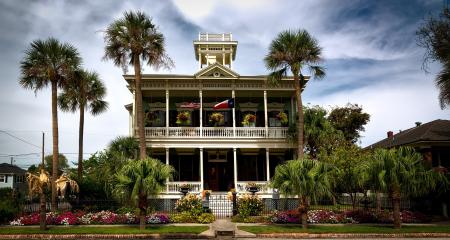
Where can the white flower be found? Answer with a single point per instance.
(16, 222)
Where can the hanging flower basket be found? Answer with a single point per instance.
(184, 118)
(252, 187)
(249, 120)
(217, 119)
(283, 118)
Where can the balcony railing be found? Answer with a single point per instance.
(216, 132)
(174, 187)
(214, 37)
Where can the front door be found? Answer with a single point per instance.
(218, 177)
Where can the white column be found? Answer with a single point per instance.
(231, 60)
(223, 59)
(201, 169)
(267, 164)
(266, 119)
(233, 95)
(200, 93)
(167, 112)
(167, 163)
(199, 59)
(235, 168)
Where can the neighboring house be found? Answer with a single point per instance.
(220, 149)
(12, 176)
(432, 139)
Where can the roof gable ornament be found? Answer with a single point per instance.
(216, 70)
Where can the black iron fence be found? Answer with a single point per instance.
(222, 205)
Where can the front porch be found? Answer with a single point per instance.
(221, 169)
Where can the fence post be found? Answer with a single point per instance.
(234, 204)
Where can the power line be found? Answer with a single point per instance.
(20, 139)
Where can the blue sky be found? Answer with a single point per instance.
(369, 46)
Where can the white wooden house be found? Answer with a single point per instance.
(220, 155)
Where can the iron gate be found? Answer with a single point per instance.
(221, 206)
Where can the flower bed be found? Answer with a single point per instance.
(82, 218)
(354, 216)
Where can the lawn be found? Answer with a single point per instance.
(344, 229)
(104, 230)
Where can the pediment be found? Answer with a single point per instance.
(216, 70)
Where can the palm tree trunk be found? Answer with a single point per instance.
(303, 209)
(396, 207)
(298, 97)
(42, 216)
(378, 197)
(80, 142)
(142, 211)
(55, 143)
(139, 110)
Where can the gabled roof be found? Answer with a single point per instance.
(216, 70)
(434, 131)
(8, 168)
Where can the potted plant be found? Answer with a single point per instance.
(249, 120)
(282, 117)
(217, 119)
(252, 187)
(183, 118)
(185, 188)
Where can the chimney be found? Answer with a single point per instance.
(390, 134)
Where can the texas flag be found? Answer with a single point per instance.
(225, 104)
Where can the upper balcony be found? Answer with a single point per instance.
(214, 37)
(217, 132)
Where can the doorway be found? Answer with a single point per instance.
(219, 171)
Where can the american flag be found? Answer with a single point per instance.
(190, 105)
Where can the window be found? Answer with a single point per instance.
(2, 178)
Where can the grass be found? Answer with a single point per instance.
(344, 229)
(104, 230)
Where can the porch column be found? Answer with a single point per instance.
(234, 113)
(223, 59)
(235, 168)
(201, 169)
(266, 124)
(267, 164)
(167, 112)
(200, 93)
(167, 163)
(199, 59)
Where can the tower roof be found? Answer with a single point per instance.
(214, 44)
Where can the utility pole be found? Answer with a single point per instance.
(12, 160)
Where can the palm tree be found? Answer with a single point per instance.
(137, 180)
(307, 178)
(128, 41)
(295, 50)
(49, 62)
(85, 91)
(126, 146)
(37, 185)
(401, 172)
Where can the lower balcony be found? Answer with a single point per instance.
(216, 132)
(196, 187)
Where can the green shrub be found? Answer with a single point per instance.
(126, 209)
(248, 219)
(250, 205)
(206, 218)
(191, 204)
(9, 205)
(183, 217)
